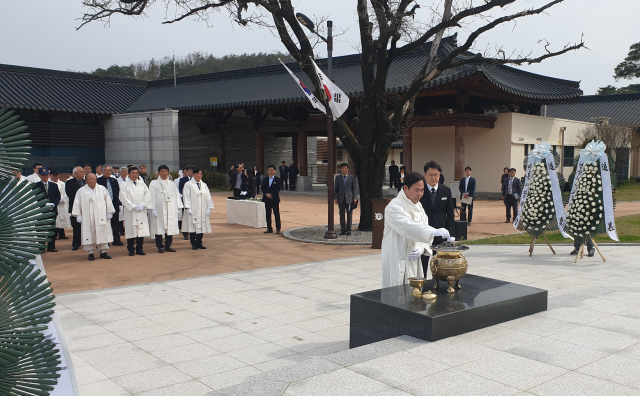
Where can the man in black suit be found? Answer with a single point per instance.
(284, 175)
(52, 196)
(271, 186)
(437, 204)
(344, 194)
(113, 188)
(393, 173)
(511, 190)
(293, 175)
(467, 189)
(71, 187)
(239, 181)
(187, 174)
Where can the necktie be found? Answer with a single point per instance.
(135, 184)
(109, 189)
(433, 190)
(510, 182)
(46, 188)
(198, 186)
(345, 181)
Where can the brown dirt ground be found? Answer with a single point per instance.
(233, 248)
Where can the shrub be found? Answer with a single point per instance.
(215, 181)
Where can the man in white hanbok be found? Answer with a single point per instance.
(197, 207)
(163, 221)
(63, 220)
(135, 197)
(93, 209)
(407, 234)
(121, 177)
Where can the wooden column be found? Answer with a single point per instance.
(459, 154)
(407, 148)
(259, 149)
(222, 147)
(302, 151)
(352, 165)
(634, 158)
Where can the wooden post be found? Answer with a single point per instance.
(407, 148)
(459, 152)
(302, 151)
(259, 149)
(545, 238)
(533, 244)
(597, 248)
(222, 164)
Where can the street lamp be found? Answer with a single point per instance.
(331, 139)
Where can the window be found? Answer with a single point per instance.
(569, 153)
(526, 150)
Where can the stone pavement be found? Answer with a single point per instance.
(284, 331)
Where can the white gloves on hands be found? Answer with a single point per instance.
(208, 212)
(138, 208)
(79, 219)
(441, 232)
(416, 253)
(154, 213)
(48, 204)
(121, 209)
(189, 211)
(110, 216)
(451, 239)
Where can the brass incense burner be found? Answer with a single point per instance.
(417, 284)
(448, 265)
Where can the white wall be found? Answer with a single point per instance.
(127, 139)
(434, 144)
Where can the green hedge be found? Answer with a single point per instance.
(215, 181)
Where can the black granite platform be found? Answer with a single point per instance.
(386, 313)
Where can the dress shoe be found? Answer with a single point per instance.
(591, 253)
(75, 248)
(268, 232)
(277, 231)
(186, 237)
(160, 250)
(118, 243)
(194, 248)
(348, 233)
(343, 233)
(141, 253)
(170, 249)
(507, 221)
(574, 252)
(91, 258)
(105, 256)
(52, 250)
(201, 247)
(468, 224)
(131, 253)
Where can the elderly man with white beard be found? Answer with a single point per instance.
(168, 203)
(198, 205)
(93, 209)
(135, 197)
(407, 234)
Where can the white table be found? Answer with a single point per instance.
(249, 213)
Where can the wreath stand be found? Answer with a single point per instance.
(581, 251)
(533, 244)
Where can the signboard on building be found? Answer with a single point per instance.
(213, 161)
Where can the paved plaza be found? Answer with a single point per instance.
(284, 331)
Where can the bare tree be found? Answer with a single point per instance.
(617, 139)
(388, 29)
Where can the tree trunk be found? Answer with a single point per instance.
(370, 182)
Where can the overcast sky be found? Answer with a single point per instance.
(41, 33)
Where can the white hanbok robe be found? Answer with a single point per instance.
(34, 178)
(177, 183)
(63, 220)
(94, 208)
(168, 204)
(120, 183)
(406, 227)
(199, 201)
(136, 223)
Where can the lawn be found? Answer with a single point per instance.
(628, 231)
(628, 192)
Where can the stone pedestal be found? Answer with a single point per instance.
(386, 313)
(304, 183)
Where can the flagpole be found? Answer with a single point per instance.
(331, 144)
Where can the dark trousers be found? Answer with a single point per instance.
(292, 184)
(345, 225)
(463, 212)
(121, 227)
(60, 233)
(52, 242)
(285, 182)
(511, 202)
(77, 233)
(589, 244)
(236, 192)
(258, 186)
(168, 241)
(139, 241)
(392, 180)
(275, 207)
(115, 227)
(196, 239)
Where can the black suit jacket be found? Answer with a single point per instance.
(393, 171)
(115, 188)
(516, 187)
(181, 183)
(471, 189)
(274, 190)
(53, 196)
(293, 172)
(71, 187)
(442, 215)
(284, 171)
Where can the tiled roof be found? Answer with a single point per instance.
(623, 109)
(41, 89)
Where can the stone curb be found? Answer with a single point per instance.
(287, 234)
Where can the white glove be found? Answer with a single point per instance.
(417, 252)
(154, 213)
(451, 239)
(138, 208)
(121, 208)
(189, 211)
(208, 212)
(48, 204)
(79, 219)
(441, 232)
(110, 216)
